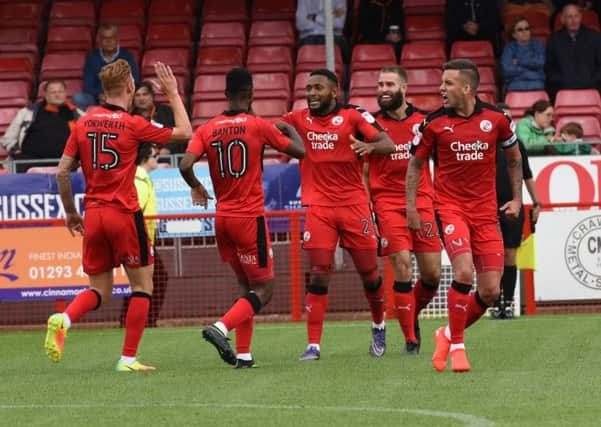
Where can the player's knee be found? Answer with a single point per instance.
(318, 284)
(464, 274)
(255, 301)
(489, 295)
(431, 276)
(263, 290)
(372, 283)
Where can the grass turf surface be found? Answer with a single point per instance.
(537, 371)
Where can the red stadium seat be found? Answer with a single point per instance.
(424, 7)
(310, 57)
(369, 103)
(19, 40)
(73, 13)
(69, 39)
(372, 56)
(364, 83)
(299, 104)
(424, 80)
(182, 88)
(21, 14)
(19, 68)
(427, 103)
(177, 58)
(168, 35)
(224, 11)
(300, 82)
(271, 85)
(202, 112)
(232, 34)
(270, 59)
(423, 54)
(270, 108)
(7, 115)
(173, 11)
(590, 126)
(73, 86)
(15, 93)
(62, 65)
(425, 27)
(123, 12)
(519, 102)
(582, 102)
(589, 19)
(3, 156)
(212, 60)
(480, 52)
(265, 10)
(209, 87)
(272, 33)
(487, 97)
(488, 82)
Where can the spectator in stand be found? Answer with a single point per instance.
(381, 21)
(310, 23)
(472, 20)
(570, 136)
(523, 59)
(159, 114)
(535, 129)
(573, 55)
(108, 52)
(41, 130)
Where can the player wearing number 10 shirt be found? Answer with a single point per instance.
(106, 144)
(233, 143)
(336, 201)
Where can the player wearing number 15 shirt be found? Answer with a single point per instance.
(336, 200)
(233, 143)
(106, 143)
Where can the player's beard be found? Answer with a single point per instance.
(395, 102)
(323, 108)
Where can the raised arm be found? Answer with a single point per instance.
(296, 148)
(167, 84)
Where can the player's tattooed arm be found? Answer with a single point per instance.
(514, 169)
(200, 195)
(73, 220)
(414, 168)
(380, 144)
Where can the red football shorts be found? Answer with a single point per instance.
(483, 239)
(353, 224)
(395, 235)
(244, 243)
(113, 237)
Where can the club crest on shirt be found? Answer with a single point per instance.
(449, 229)
(306, 236)
(486, 125)
(337, 120)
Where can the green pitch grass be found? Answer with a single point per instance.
(537, 371)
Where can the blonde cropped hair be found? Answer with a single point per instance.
(115, 76)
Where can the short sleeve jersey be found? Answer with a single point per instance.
(464, 151)
(234, 142)
(106, 142)
(331, 172)
(387, 173)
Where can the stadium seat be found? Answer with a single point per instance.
(372, 56)
(369, 103)
(423, 54)
(7, 114)
(173, 12)
(16, 69)
(300, 82)
(480, 52)
(271, 85)
(69, 39)
(209, 87)
(123, 12)
(427, 103)
(589, 19)
(519, 102)
(232, 34)
(224, 11)
(2, 170)
(18, 40)
(488, 82)
(487, 97)
(590, 126)
(204, 111)
(310, 57)
(265, 10)
(424, 81)
(425, 27)
(299, 104)
(424, 7)
(73, 13)
(50, 170)
(15, 93)
(73, 86)
(182, 87)
(272, 33)
(364, 83)
(177, 58)
(270, 108)
(168, 35)
(21, 14)
(212, 60)
(62, 65)
(581, 102)
(270, 59)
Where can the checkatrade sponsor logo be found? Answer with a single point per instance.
(469, 151)
(401, 151)
(322, 141)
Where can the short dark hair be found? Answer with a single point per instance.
(400, 71)
(238, 80)
(108, 26)
(572, 128)
(147, 85)
(467, 69)
(331, 76)
(144, 152)
(538, 107)
(53, 82)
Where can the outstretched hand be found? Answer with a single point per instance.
(167, 82)
(360, 147)
(511, 209)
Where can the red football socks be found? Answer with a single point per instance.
(475, 309)
(244, 335)
(316, 306)
(404, 304)
(423, 295)
(375, 300)
(240, 312)
(134, 322)
(84, 302)
(458, 303)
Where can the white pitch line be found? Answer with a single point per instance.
(468, 419)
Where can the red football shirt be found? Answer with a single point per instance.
(387, 173)
(234, 143)
(331, 173)
(106, 142)
(464, 152)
